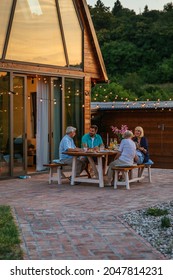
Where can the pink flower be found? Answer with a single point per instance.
(119, 132)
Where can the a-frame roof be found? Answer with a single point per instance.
(95, 40)
(25, 29)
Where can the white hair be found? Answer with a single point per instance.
(128, 134)
(70, 129)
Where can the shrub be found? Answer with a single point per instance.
(165, 222)
(156, 212)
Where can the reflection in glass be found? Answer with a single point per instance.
(73, 37)
(73, 106)
(35, 35)
(5, 9)
(4, 124)
(35, 7)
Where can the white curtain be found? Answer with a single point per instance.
(42, 125)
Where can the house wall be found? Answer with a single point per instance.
(157, 125)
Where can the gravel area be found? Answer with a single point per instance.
(152, 229)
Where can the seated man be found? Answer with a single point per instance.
(92, 139)
(67, 144)
(126, 155)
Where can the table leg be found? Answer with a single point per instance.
(105, 165)
(91, 161)
(73, 175)
(100, 172)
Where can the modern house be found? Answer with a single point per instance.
(156, 118)
(49, 60)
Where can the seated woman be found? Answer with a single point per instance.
(126, 155)
(141, 145)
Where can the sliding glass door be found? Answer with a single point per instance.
(66, 110)
(18, 125)
(73, 111)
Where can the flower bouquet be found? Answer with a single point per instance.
(119, 132)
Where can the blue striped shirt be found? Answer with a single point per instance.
(66, 143)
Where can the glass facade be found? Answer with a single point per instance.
(63, 98)
(41, 31)
(44, 33)
(73, 39)
(73, 106)
(35, 34)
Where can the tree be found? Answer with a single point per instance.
(117, 8)
(110, 93)
(101, 16)
(168, 7)
(146, 10)
(137, 49)
(120, 57)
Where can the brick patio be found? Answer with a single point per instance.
(83, 221)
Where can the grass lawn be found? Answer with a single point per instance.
(9, 236)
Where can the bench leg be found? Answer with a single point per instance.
(149, 173)
(140, 171)
(59, 175)
(126, 177)
(115, 179)
(126, 174)
(50, 175)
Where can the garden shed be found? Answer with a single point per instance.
(156, 118)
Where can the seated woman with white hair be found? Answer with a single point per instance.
(126, 154)
(67, 144)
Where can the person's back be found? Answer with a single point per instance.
(125, 156)
(128, 151)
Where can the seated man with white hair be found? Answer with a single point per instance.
(67, 144)
(126, 154)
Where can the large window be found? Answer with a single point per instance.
(73, 38)
(74, 105)
(44, 32)
(35, 34)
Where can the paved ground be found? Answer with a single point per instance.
(82, 221)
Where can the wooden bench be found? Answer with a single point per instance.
(128, 174)
(58, 167)
(148, 166)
